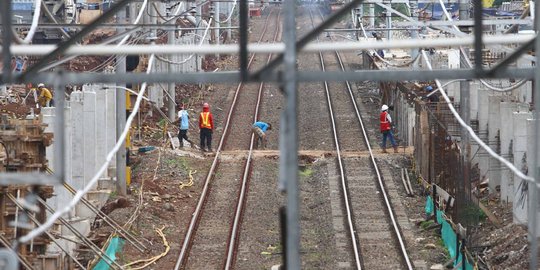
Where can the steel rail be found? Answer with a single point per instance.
(376, 167)
(233, 244)
(202, 199)
(346, 201)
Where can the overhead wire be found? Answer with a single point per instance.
(191, 56)
(230, 14)
(33, 27)
(469, 63)
(80, 193)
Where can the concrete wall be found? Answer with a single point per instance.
(90, 134)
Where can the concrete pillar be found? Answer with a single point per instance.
(101, 120)
(90, 142)
(524, 92)
(77, 142)
(531, 138)
(507, 110)
(474, 99)
(110, 122)
(453, 63)
(494, 126)
(520, 161)
(483, 116)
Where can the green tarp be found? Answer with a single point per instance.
(115, 246)
(448, 235)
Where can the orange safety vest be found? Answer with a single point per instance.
(385, 125)
(205, 116)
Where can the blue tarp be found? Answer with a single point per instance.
(115, 246)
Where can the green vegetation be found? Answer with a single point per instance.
(306, 171)
(426, 224)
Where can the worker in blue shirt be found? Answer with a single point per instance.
(183, 119)
(260, 128)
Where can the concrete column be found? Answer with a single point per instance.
(77, 143)
(371, 15)
(494, 126)
(507, 110)
(474, 99)
(90, 134)
(531, 140)
(520, 161)
(483, 115)
(110, 122)
(101, 119)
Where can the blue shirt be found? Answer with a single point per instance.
(262, 125)
(184, 119)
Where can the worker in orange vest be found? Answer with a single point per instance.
(206, 126)
(386, 129)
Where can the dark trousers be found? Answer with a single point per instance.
(206, 138)
(182, 135)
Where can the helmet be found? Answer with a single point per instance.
(429, 88)
(205, 105)
(384, 107)
(40, 85)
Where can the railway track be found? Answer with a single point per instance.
(374, 237)
(211, 241)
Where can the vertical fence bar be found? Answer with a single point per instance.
(533, 188)
(289, 136)
(243, 40)
(6, 43)
(478, 35)
(121, 118)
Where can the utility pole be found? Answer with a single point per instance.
(121, 187)
(389, 24)
(172, 91)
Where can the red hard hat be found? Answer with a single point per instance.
(205, 105)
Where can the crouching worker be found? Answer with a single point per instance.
(260, 128)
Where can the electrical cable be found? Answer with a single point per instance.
(228, 17)
(33, 27)
(80, 193)
(472, 133)
(469, 63)
(191, 56)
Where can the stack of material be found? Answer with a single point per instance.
(23, 145)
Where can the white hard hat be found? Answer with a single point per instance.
(384, 107)
(40, 85)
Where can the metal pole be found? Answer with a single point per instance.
(372, 15)
(121, 119)
(389, 24)
(243, 39)
(229, 23)
(466, 115)
(6, 43)
(172, 91)
(218, 18)
(478, 35)
(414, 33)
(533, 189)
(288, 173)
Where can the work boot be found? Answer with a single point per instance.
(395, 149)
(209, 149)
(384, 150)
